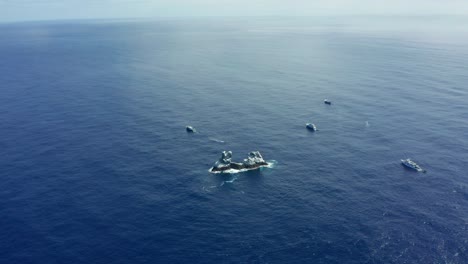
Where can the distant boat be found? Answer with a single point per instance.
(190, 129)
(327, 102)
(412, 165)
(311, 126)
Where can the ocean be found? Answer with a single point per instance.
(96, 165)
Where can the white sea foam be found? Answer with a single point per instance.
(271, 164)
(230, 181)
(216, 140)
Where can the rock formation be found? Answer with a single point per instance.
(190, 129)
(253, 161)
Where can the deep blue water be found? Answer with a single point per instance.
(96, 165)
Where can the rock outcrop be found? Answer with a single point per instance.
(190, 129)
(253, 161)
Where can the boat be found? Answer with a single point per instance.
(412, 165)
(190, 129)
(311, 126)
(327, 102)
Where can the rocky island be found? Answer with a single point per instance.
(224, 164)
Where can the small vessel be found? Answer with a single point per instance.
(412, 165)
(311, 126)
(190, 129)
(327, 102)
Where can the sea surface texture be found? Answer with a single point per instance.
(96, 165)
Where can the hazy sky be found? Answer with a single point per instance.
(19, 10)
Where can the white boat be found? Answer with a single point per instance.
(412, 165)
(311, 126)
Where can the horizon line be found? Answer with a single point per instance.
(136, 19)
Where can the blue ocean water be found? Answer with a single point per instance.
(96, 165)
